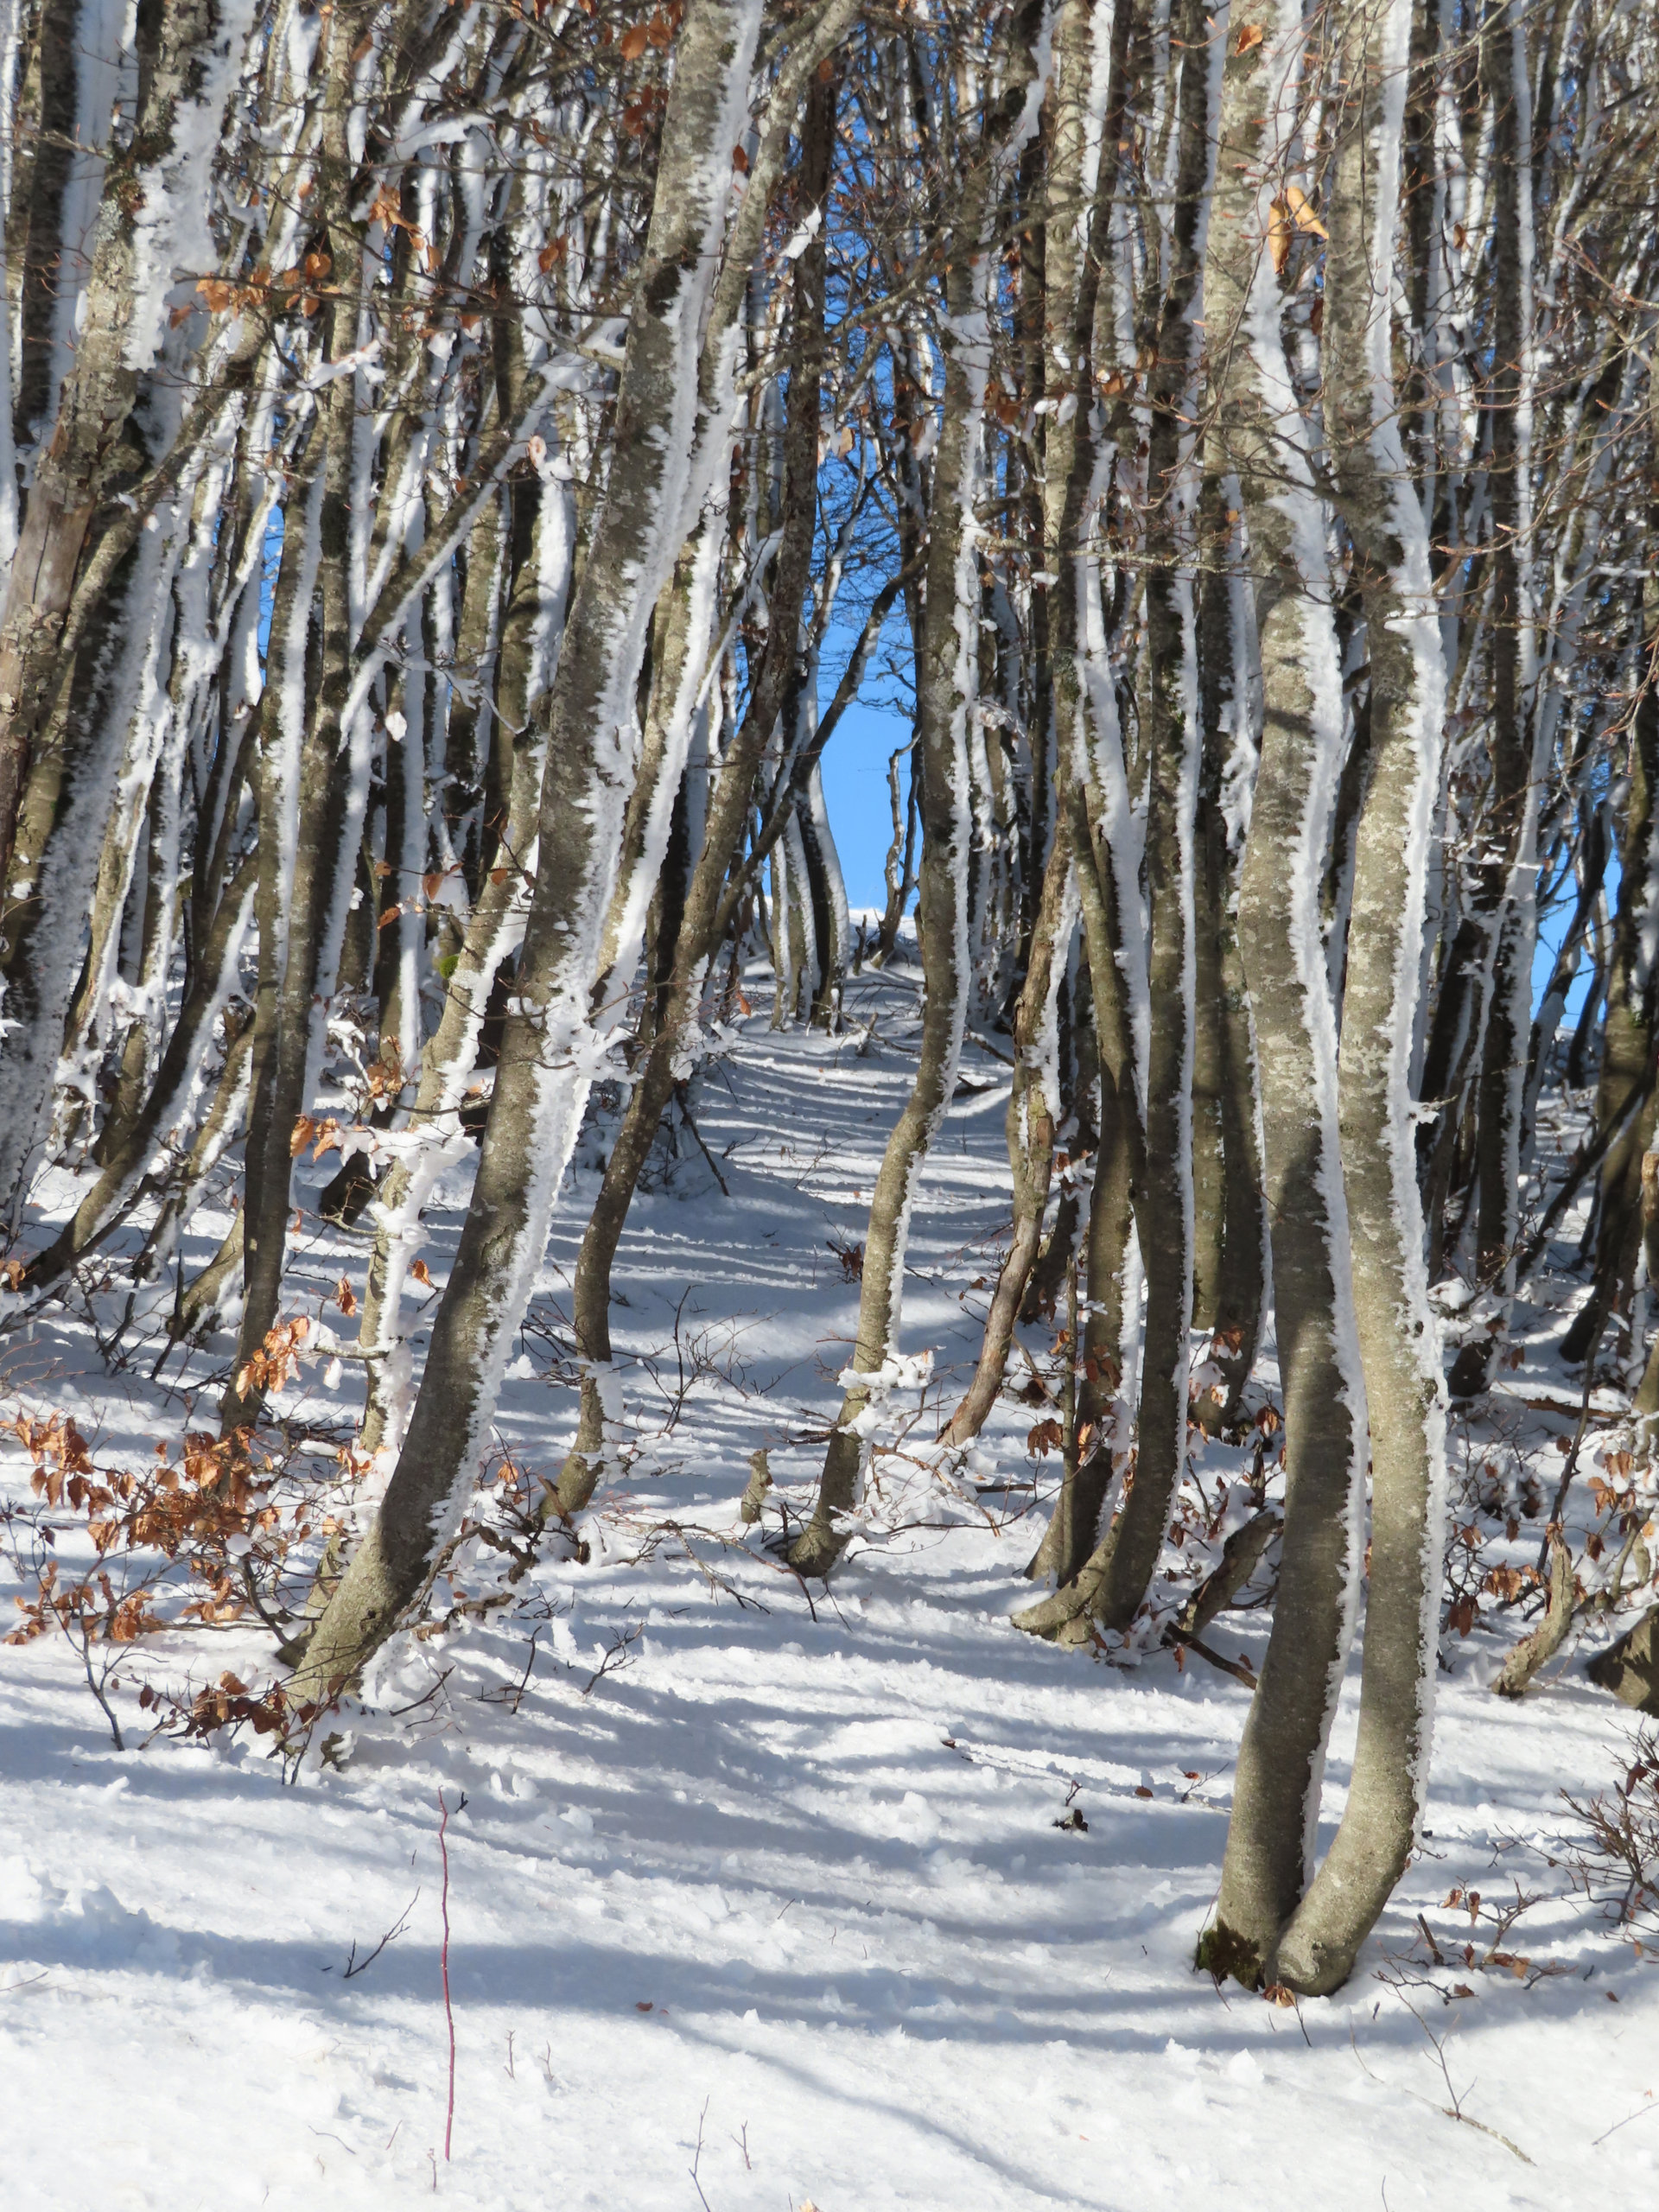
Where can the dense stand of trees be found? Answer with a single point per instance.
(458, 462)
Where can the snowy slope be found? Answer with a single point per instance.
(788, 1875)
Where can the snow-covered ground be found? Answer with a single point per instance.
(760, 1895)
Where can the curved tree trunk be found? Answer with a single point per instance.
(1170, 743)
(437, 1136)
(1032, 1107)
(126, 1169)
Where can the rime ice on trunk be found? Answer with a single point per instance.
(437, 1138)
(1261, 430)
(671, 1016)
(1511, 890)
(1171, 747)
(1398, 1338)
(75, 580)
(673, 411)
(947, 675)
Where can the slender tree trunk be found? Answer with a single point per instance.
(299, 888)
(673, 412)
(1171, 741)
(54, 756)
(126, 1168)
(1033, 1105)
(946, 675)
(1068, 1550)
(708, 906)
(1218, 667)
(1514, 798)
(1631, 1023)
(438, 1136)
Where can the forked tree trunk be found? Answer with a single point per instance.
(1276, 1791)
(1399, 1340)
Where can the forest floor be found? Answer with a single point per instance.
(762, 1895)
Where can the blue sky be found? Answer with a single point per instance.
(854, 774)
(854, 777)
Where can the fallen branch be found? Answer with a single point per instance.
(1537, 1650)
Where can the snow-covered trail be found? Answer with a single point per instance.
(789, 1872)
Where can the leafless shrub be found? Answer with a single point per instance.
(1617, 1862)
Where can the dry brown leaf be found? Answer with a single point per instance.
(1300, 208)
(1280, 233)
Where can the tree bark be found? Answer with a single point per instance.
(946, 674)
(76, 579)
(1171, 741)
(1398, 1337)
(1254, 408)
(707, 904)
(673, 411)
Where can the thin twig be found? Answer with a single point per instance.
(354, 1966)
(697, 2157)
(1640, 2113)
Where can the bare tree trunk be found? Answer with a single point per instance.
(1033, 1106)
(1514, 796)
(1632, 1018)
(673, 411)
(1398, 1338)
(54, 755)
(707, 904)
(1171, 741)
(1253, 407)
(1229, 1221)
(946, 674)
(438, 1136)
(298, 878)
(125, 1170)
(1220, 670)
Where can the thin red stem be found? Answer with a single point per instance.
(449, 2012)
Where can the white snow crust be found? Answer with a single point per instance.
(791, 1875)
